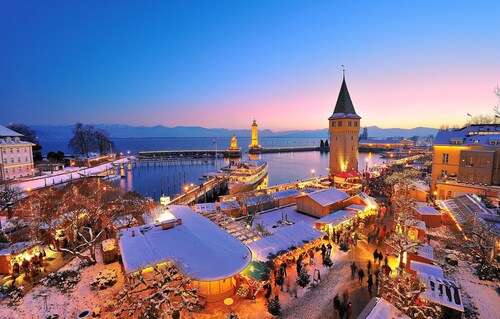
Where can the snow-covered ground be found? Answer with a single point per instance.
(33, 305)
(69, 173)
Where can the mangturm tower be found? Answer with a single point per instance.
(344, 126)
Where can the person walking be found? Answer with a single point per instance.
(353, 270)
(361, 275)
(369, 267)
(380, 258)
(370, 284)
(348, 311)
(375, 255)
(336, 305)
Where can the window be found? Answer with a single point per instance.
(352, 138)
(19, 160)
(340, 123)
(355, 123)
(18, 149)
(445, 158)
(334, 124)
(349, 123)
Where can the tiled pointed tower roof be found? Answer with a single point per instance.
(344, 106)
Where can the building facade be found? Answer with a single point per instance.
(16, 156)
(467, 160)
(344, 127)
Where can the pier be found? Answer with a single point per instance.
(201, 193)
(263, 150)
(185, 154)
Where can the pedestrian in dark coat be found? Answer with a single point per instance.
(380, 258)
(348, 311)
(336, 304)
(370, 284)
(369, 267)
(353, 270)
(375, 256)
(361, 275)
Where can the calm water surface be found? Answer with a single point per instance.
(170, 178)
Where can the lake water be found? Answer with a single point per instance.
(170, 178)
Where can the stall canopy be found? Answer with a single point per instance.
(379, 308)
(256, 270)
(337, 218)
(287, 193)
(283, 239)
(358, 208)
(441, 291)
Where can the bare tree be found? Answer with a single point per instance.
(161, 288)
(9, 194)
(402, 207)
(82, 142)
(403, 292)
(103, 142)
(496, 109)
(482, 119)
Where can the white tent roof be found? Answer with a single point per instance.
(284, 238)
(442, 291)
(329, 196)
(426, 268)
(338, 217)
(379, 308)
(201, 248)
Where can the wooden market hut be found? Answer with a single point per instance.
(16, 252)
(288, 196)
(322, 202)
(231, 208)
(429, 215)
(183, 235)
(335, 220)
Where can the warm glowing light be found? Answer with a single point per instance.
(166, 216)
(186, 188)
(28, 189)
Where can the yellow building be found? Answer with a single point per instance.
(344, 126)
(465, 161)
(16, 156)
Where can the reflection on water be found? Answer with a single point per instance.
(172, 178)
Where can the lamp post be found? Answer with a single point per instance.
(312, 172)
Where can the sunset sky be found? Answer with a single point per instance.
(219, 64)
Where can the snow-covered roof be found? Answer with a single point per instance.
(271, 219)
(421, 186)
(426, 210)
(284, 238)
(201, 248)
(465, 207)
(17, 248)
(470, 135)
(338, 217)
(442, 291)
(205, 208)
(355, 207)
(419, 224)
(426, 251)
(287, 193)
(379, 308)
(4, 132)
(260, 199)
(329, 196)
(228, 205)
(368, 200)
(426, 268)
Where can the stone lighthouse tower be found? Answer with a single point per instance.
(255, 137)
(344, 126)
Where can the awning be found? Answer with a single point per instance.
(256, 270)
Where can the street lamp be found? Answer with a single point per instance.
(312, 172)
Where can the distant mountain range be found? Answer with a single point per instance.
(63, 132)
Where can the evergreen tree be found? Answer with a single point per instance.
(304, 278)
(274, 307)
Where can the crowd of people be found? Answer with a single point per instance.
(30, 268)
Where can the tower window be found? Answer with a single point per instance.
(340, 123)
(349, 123)
(334, 124)
(355, 123)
